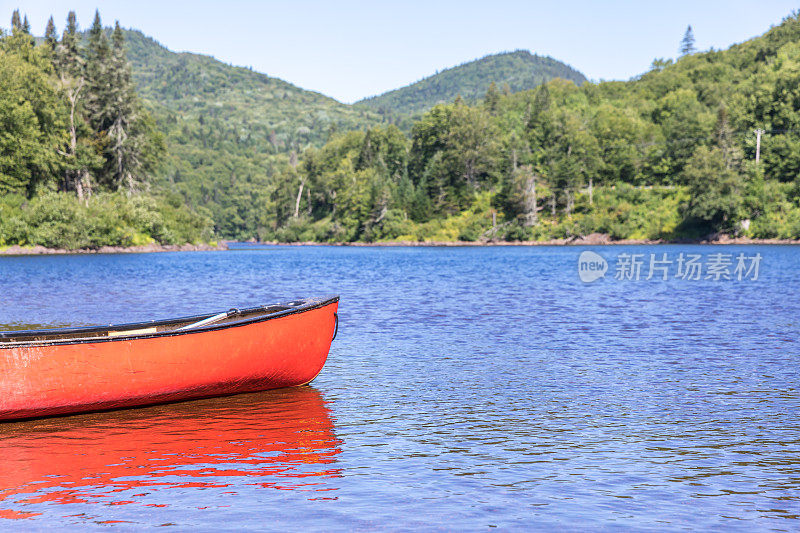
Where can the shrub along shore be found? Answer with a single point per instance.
(147, 248)
(589, 240)
(596, 239)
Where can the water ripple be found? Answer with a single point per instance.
(467, 388)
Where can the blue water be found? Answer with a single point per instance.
(468, 388)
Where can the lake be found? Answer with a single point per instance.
(468, 388)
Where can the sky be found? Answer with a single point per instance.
(351, 49)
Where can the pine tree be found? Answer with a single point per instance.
(50, 37)
(16, 21)
(491, 99)
(111, 105)
(69, 60)
(126, 145)
(98, 59)
(687, 43)
(20, 39)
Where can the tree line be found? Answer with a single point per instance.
(670, 154)
(73, 123)
(91, 113)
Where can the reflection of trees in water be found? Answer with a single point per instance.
(281, 439)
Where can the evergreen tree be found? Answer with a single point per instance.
(687, 43)
(68, 60)
(99, 101)
(16, 21)
(491, 99)
(455, 148)
(17, 41)
(113, 109)
(126, 145)
(573, 156)
(518, 197)
(50, 37)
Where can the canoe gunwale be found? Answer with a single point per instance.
(290, 308)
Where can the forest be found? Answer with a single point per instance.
(695, 148)
(96, 149)
(512, 71)
(78, 149)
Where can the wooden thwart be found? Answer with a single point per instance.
(143, 331)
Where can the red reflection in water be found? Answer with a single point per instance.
(281, 439)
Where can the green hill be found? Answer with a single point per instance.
(520, 70)
(671, 154)
(228, 128)
(261, 107)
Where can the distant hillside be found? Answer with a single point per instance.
(261, 107)
(227, 129)
(520, 69)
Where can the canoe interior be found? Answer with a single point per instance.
(173, 326)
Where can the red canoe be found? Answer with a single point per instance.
(52, 372)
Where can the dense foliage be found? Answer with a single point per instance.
(61, 220)
(670, 155)
(509, 71)
(202, 149)
(228, 128)
(77, 147)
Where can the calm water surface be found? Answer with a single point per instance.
(468, 388)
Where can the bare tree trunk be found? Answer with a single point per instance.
(83, 185)
(529, 203)
(123, 174)
(74, 177)
(299, 196)
(553, 204)
(86, 183)
(382, 214)
(79, 186)
(591, 190)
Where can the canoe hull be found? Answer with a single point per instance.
(283, 351)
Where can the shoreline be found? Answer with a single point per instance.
(143, 249)
(589, 240)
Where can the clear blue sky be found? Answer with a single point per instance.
(350, 49)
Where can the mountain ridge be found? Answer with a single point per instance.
(518, 69)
